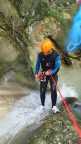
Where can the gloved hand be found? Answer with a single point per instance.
(48, 73)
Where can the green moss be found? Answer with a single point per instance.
(56, 129)
(4, 67)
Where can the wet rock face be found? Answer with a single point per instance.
(7, 51)
(56, 130)
(17, 18)
(77, 109)
(75, 106)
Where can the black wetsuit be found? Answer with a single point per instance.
(51, 61)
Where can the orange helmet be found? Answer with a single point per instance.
(46, 45)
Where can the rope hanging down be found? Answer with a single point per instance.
(69, 112)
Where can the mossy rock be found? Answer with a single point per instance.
(56, 129)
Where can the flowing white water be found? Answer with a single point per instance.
(27, 111)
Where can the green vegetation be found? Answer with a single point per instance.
(18, 19)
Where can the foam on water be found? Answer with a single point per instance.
(27, 111)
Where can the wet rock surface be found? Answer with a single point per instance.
(56, 129)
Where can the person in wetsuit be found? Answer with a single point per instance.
(47, 66)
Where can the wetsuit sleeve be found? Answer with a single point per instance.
(57, 65)
(37, 67)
